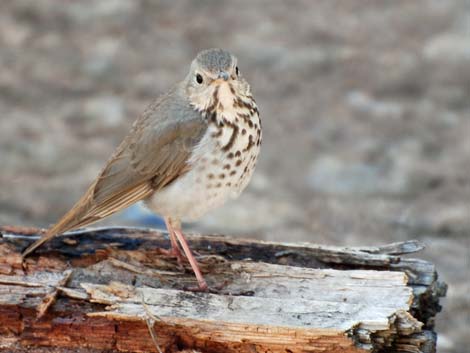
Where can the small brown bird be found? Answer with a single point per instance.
(190, 151)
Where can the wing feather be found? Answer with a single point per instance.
(154, 154)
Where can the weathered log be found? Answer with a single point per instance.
(113, 289)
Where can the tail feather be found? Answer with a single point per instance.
(86, 211)
(48, 236)
(68, 222)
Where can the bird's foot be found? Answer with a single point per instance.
(201, 285)
(204, 288)
(198, 289)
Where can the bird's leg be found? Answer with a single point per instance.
(192, 261)
(175, 249)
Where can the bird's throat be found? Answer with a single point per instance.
(225, 96)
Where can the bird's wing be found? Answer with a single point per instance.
(154, 154)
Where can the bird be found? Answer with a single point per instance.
(191, 150)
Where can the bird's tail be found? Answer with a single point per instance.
(71, 220)
(48, 236)
(88, 210)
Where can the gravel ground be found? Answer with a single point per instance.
(365, 108)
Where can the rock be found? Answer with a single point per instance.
(438, 219)
(329, 174)
(100, 60)
(106, 111)
(364, 103)
(448, 47)
(117, 10)
(311, 56)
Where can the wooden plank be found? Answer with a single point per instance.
(275, 297)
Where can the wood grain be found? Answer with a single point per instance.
(104, 289)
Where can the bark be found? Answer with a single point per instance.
(114, 290)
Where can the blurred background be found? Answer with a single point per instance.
(365, 108)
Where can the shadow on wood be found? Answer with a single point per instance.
(113, 289)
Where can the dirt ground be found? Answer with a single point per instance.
(365, 108)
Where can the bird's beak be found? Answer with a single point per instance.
(224, 75)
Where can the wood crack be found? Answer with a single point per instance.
(290, 297)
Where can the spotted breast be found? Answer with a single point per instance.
(222, 163)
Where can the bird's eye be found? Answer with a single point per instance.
(199, 78)
(237, 71)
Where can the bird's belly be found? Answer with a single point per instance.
(186, 199)
(216, 175)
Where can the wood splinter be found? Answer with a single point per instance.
(276, 297)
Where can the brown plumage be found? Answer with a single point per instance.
(147, 160)
(163, 157)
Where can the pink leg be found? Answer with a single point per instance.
(175, 249)
(192, 261)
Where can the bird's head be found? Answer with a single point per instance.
(215, 75)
